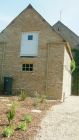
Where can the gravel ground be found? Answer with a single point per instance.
(61, 122)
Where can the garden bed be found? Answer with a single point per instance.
(37, 111)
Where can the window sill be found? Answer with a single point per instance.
(28, 56)
(27, 71)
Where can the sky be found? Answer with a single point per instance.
(52, 10)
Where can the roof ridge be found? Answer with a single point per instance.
(66, 28)
(31, 7)
(28, 7)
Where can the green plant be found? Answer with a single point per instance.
(11, 113)
(8, 132)
(36, 99)
(75, 73)
(42, 98)
(23, 95)
(27, 118)
(73, 65)
(39, 99)
(23, 126)
(36, 102)
(36, 94)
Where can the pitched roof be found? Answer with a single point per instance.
(67, 34)
(29, 7)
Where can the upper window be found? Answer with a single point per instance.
(30, 37)
(29, 44)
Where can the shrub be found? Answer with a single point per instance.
(73, 65)
(11, 113)
(23, 95)
(27, 118)
(8, 132)
(39, 99)
(23, 126)
(36, 102)
(36, 99)
(42, 98)
(36, 94)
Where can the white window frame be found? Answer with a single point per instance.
(27, 50)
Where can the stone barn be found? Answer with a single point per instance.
(35, 56)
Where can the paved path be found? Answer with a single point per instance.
(61, 122)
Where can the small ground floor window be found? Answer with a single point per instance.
(27, 67)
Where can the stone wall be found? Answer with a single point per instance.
(55, 69)
(66, 90)
(46, 77)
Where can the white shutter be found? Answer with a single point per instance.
(29, 47)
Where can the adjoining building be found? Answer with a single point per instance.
(73, 40)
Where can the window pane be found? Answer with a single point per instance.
(27, 65)
(31, 65)
(23, 69)
(27, 69)
(31, 68)
(23, 65)
(30, 37)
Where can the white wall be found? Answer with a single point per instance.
(66, 90)
(29, 47)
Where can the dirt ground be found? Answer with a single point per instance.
(23, 107)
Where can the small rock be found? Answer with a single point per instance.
(36, 111)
